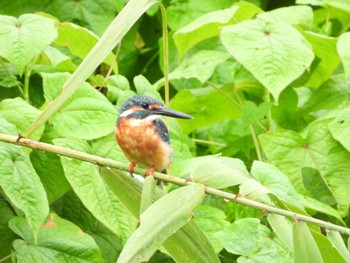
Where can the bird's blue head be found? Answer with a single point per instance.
(142, 106)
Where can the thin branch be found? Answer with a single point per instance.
(168, 178)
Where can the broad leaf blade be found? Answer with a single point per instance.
(337, 241)
(20, 182)
(217, 171)
(317, 149)
(189, 244)
(305, 247)
(160, 221)
(344, 52)
(94, 194)
(25, 38)
(58, 239)
(283, 228)
(200, 65)
(21, 114)
(87, 114)
(204, 27)
(275, 53)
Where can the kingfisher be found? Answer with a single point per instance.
(142, 135)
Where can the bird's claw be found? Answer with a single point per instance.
(149, 171)
(131, 169)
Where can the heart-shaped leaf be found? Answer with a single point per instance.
(274, 52)
(25, 37)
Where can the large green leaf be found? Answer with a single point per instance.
(97, 14)
(79, 40)
(271, 180)
(94, 194)
(69, 207)
(87, 114)
(338, 243)
(20, 182)
(189, 244)
(58, 241)
(326, 60)
(283, 229)
(206, 109)
(49, 168)
(248, 238)
(204, 27)
(7, 235)
(21, 114)
(314, 148)
(344, 52)
(305, 247)
(162, 219)
(214, 171)
(200, 65)
(183, 13)
(24, 38)
(213, 222)
(292, 15)
(274, 52)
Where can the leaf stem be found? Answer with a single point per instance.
(165, 53)
(168, 178)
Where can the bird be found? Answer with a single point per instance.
(143, 136)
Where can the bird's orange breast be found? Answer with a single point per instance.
(142, 144)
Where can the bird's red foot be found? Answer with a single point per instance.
(149, 171)
(131, 169)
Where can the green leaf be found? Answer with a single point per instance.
(326, 60)
(246, 237)
(292, 15)
(94, 194)
(316, 186)
(70, 207)
(277, 182)
(49, 168)
(189, 244)
(314, 148)
(274, 52)
(338, 243)
(7, 235)
(97, 14)
(25, 38)
(328, 252)
(344, 52)
(340, 126)
(183, 13)
(204, 27)
(217, 171)
(147, 193)
(213, 222)
(21, 114)
(87, 114)
(200, 65)
(206, 109)
(305, 247)
(79, 40)
(344, 5)
(162, 219)
(58, 239)
(315, 205)
(19, 181)
(252, 113)
(283, 229)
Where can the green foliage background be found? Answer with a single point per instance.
(267, 83)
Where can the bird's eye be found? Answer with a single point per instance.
(145, 105)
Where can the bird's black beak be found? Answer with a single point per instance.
(170, 112)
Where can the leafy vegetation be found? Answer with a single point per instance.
(267, 85)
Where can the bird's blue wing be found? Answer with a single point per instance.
(162, 130)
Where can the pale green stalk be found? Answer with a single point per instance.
(168, 178)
